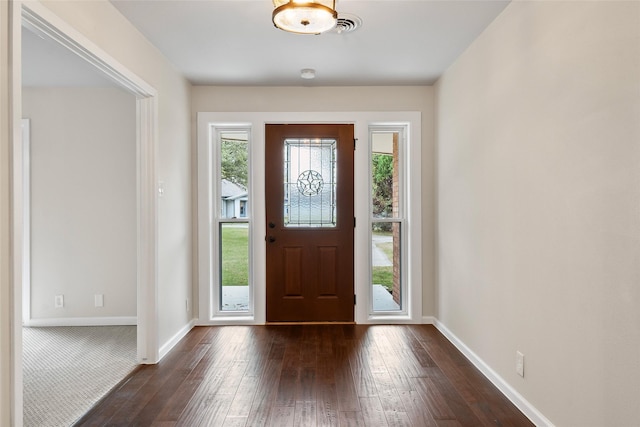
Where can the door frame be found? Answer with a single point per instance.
(48, 24)
(362, 121)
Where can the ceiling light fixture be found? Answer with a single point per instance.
(305, 16)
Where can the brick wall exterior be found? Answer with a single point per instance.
(396, 226)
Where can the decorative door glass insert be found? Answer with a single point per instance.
(309, 182)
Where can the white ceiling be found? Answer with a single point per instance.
(233, 42)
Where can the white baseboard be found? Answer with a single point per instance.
(166, 348)
(428, 320)
(83, 321)
(516, 398)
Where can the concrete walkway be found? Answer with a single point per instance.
(378, 257)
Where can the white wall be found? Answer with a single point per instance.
(538, 136)
(83, 201)
(309, 99)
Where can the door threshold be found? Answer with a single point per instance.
(309, 323)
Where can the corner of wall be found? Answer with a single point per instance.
(516, 398)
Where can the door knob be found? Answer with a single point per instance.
(272, 225)
(271, 239)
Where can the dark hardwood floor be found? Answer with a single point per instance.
(308, 375)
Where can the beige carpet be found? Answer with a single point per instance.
(68, 369)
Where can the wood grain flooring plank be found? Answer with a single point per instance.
(185, 391)
(163, 424)
(282, 416)
(351, 419)
(393, 363)
(148, 414)
(325, 369)
(241, 403)
(233, 377)
(264, 398)
(387, 393)
(372, 412)
(234, 421)
(345, 384)
(417, 411)
(210, 411)
(110, 404)
(397, 419)
(420, 353)
(448, 423)
(463, 413)
(289, 375)
(305, 413)
(362, 375)
(221, 377)
(277, 351)
(412, 365)
(328, 337)
(257, 350)
(327, 405)
(492, 404)
(306, 384)
(433, 399)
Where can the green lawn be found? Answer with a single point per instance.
(235, 256)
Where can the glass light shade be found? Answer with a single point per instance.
(305, 17)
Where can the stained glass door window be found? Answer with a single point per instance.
(310, 183)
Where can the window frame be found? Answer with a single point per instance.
(401, 218)
(216, 221)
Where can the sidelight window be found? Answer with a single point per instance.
(388, 289)
(232, 282)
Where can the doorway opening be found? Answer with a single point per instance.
(49, 27)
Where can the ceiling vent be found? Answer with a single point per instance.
(347, 23)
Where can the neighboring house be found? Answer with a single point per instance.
(234, 200)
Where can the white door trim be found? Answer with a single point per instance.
(22, 180)
(362, 121)
(40, 19)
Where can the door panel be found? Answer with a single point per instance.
(309, 208)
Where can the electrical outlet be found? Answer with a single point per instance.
(58, 301)
(520, 364)
(98, 300)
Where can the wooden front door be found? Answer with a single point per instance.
(310, 222)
